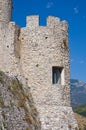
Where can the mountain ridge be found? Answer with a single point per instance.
(77, 92)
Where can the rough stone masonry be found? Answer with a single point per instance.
(39, 57)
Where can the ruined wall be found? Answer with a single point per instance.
(5, 11)
(9, 48)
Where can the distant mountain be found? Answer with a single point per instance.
(78, 92)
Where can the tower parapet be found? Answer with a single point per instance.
(51, 22)
(5, 11)
(32, 21)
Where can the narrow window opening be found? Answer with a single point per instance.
(57, 75)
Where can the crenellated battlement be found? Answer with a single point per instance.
(51, 22)
(32, 21)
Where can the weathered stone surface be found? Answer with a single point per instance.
(17, 110)
(5, 10)
(30, 53)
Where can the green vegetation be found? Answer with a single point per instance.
(16, 88)
(80, 110)
(23, 100)
(84, 127)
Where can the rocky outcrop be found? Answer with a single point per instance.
(17, 110)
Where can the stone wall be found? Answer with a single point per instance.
(9, 46)
(5, 11)
(29, 53)
(43, 47)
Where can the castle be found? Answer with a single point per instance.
(39, 56)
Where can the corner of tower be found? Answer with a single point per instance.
(55, 22)
(64, 25)
(5, 11)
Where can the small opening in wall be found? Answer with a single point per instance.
(46, 37)
(7, 46)
(58, 75)
(37, 65)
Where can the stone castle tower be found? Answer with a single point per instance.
(39, 55)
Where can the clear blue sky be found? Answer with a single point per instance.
(74, 11)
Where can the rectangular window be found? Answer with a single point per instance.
(57, 75)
